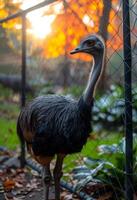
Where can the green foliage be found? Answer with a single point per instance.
(107, 172)
(91, 148)
(113, 69)
(5, 93)
(45, 89)
(75, 90)
(109, 109)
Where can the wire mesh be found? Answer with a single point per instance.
(50, 69)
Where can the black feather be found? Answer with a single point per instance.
(59, 124)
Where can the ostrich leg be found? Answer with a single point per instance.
(22, 156)
(46, 176)
(58, 174)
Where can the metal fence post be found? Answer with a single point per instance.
(128, 102)
(23, 67)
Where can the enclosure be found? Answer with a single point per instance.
(36, 38)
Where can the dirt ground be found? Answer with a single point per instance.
(16, 183)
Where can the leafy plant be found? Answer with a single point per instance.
(109, 109)
(107, 174)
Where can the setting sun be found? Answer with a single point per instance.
(40, 25)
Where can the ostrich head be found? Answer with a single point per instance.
(93, 45)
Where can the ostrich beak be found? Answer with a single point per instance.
(76, 50)
(79, 49)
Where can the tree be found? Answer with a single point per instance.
(75, 19)
(81, 18)
(7, 7)
(103, 31)
(78, 18)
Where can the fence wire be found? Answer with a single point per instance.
(99, 170)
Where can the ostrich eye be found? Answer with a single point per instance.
(91, 43)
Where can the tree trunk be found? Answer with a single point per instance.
(103, 25)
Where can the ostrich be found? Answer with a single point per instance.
(59, 125)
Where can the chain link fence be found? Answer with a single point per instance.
(99, 170)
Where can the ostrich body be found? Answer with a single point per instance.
(58, 125)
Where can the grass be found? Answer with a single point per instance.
(8, 116)
(8, 135)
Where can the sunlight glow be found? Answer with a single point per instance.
(88, 21)
(29, 3)
(40, 24)
(18, 26)
(16, 1)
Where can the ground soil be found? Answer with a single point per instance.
(17, 183)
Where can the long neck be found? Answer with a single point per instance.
(93, 78)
